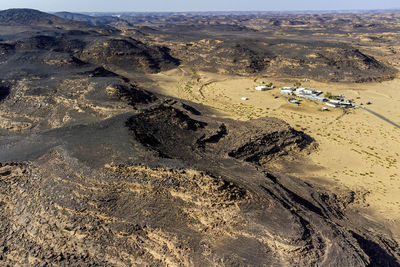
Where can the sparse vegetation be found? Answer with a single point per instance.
(107, 126)
(331, 96)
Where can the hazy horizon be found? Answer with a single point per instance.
(202, 6)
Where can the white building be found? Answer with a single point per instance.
(314, 97)
(345, 104)
(307, 91)
(287, 90)
(262, 88)
(332, 105)
(320, 98)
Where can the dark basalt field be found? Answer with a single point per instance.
(96, 171)
(325, 47)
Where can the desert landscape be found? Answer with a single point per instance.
(132, 139)
(357, 150)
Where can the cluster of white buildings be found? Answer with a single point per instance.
(300, 91)
(307, 93)
(313, 94)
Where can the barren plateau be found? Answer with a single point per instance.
(125, 140)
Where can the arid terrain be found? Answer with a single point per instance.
(125, 141)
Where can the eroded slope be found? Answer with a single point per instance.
(96, 171)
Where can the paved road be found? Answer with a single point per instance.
(381, 117)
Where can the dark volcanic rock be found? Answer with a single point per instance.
(128, 54)
(320, 61)
(6, 49)
(157, 128)
(101, 72)
(95, 171)
(4, 91)
(188, 214)
(39, 42)
(30, 17)
(88, 194)
(133, 95)
(256, 141)
(52, 43)
(95, 21)
(261, 140)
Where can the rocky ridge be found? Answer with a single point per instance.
(96, 171)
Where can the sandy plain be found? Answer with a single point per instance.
(357, 150)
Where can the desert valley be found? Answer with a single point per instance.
(140, 139)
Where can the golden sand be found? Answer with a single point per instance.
(357, 150)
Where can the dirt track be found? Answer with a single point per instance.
(97, 171)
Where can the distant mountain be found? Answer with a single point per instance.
(95, 21)
(31, 17)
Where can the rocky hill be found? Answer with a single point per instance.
(93, 20)
(251, 56)
(31, 17)
(128, 54)
(96, 171)
(113, 52)
(90, 181)
(325, 47)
